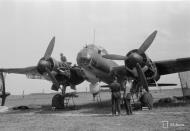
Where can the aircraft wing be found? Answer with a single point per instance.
(164, 67)
(19, 70)
(173, 66)
(31, 72)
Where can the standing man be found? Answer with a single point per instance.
(127, 97)
(116, 97)
(127, 102)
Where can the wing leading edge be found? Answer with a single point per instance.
(26, 70)
(173, 66)
(31, 72)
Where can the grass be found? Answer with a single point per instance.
(92, 116)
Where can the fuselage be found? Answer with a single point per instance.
(95, 67)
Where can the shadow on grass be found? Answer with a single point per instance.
(103, 107)
(172, 104)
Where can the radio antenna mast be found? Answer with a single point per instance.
(94, 35)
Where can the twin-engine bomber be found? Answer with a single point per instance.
(95, 65)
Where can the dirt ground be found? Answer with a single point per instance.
(88, 115)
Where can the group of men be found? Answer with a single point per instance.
(116, 98)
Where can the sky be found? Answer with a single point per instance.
(26, 27)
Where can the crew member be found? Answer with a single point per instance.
(127, 97)
(146, 99)
(116, 97)
(127, 102)
(64, 69)
(63, 58)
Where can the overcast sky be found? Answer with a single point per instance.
(27, 27)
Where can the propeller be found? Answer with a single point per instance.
(115, 57)
(135, 60)
(49, 50)
(147, 43)
(142, 77)
(44, 65)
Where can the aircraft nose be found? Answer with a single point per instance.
(84, 58)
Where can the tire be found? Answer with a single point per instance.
(147, 100)
(58, 101)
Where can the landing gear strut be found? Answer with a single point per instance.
(3, 93)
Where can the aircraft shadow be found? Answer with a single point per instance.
(172, 104)
(102, 108)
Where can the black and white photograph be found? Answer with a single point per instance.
(94, 65)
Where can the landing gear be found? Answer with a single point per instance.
(145, 97)
(58, 100)
(3, 93)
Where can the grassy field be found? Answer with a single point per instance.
(88, 115)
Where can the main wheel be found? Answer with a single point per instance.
(58, 101)
(147, 100)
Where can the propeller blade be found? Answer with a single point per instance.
(115, 57)
(147, 42)
(52, 78)
(49, 50)
(142, 77)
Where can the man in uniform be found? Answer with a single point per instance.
(127, 96)
(127, 102)
(65, 68)
(116, 97)
(63, 58)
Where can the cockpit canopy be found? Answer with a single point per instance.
(97, 49)
(84, 57)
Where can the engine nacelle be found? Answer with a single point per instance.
(134, 57)
(94, 88)
(51, 64)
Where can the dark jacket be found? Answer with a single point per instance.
(115, 87)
